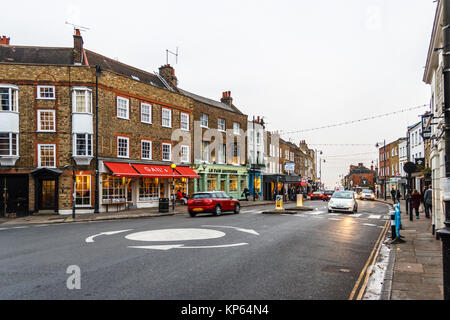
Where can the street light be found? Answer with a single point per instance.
(320, 170)
(98, 73)
(384, 166)
(173, 166)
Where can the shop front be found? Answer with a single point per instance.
(273, 184)
(136, 185)
(255, 183)
(230, 179)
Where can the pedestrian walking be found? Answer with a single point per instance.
(428, 201)
(246, 193)
(399, 196)
(393, 194)
(416, 199)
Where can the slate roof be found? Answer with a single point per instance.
(38, 55)
(211, 102)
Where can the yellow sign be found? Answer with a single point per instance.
(299, 200)
(279, 203)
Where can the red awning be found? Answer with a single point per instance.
(155, 171)
(122, 169)
(187, 172)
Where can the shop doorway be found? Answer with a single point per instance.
(14, 195)
(46, 186)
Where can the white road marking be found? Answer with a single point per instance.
(19, 227)
(314, 213)
(109, 233)
(334, 219)
(375, 217)
(356, 215)
(369, 225)
(251, 231)
(175, 235)
(181, 246)
(4, 229)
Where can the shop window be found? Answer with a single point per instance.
(148, 189)
(212, 182)
(83, 191)
(233, 183)
(113, 189)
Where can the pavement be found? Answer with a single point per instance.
(415, 270)
(128, 214)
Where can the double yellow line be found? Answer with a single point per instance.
(370, 262)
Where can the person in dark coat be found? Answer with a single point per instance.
(246, 193)
(416, 199)
(393, 194)
(428, 201)
(398, 196)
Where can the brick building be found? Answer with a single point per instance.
(361, 177)
(48, 131)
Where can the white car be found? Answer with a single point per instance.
(367, 195)
(343, 201)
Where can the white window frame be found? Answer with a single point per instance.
(87, 100)
(38, 96)
(202, 118)
(39, 155)
(224, 124)
(170, 151)
(184, 154)
(150, 111)
(142, 149)
(13, 95)
(127, 108)
(90, 192)
(10, 148)
(128, 146)
(162, 117)
(238, 127)
(39, 128)
(186, 115)
(87, 136)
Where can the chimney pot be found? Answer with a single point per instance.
(4, 40)
(77, 32)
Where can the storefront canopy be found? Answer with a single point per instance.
(122, 169)
(187, 172)
(156, 171)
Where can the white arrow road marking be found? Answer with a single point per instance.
(181, 246)
(109, 233)
(238, 229)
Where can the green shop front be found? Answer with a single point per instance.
(231, 179)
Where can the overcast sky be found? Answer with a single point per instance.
(300, 64)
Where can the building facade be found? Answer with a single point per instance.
(257, 155)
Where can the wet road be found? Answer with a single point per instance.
(312, 255)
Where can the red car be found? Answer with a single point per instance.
(214, 202)
(327, 195)
(317, 195)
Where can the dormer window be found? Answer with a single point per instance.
(9, 98)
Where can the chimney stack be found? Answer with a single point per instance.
(168, 73)
(226, 98)
(77, 48)
(4, 41)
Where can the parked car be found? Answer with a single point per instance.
(343, 201)
(317, 195)
(215, 202)
(367, 195)
(327, 195)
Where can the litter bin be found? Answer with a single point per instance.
(163, 204)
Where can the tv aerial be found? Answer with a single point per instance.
(175, 54)
(75, 26)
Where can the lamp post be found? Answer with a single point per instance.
(98, 73)
(320, 170)
(74, 194)
(173, 166)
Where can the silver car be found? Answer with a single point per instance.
(367, 195)
(343, 201)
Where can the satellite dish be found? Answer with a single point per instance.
(409, 167)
